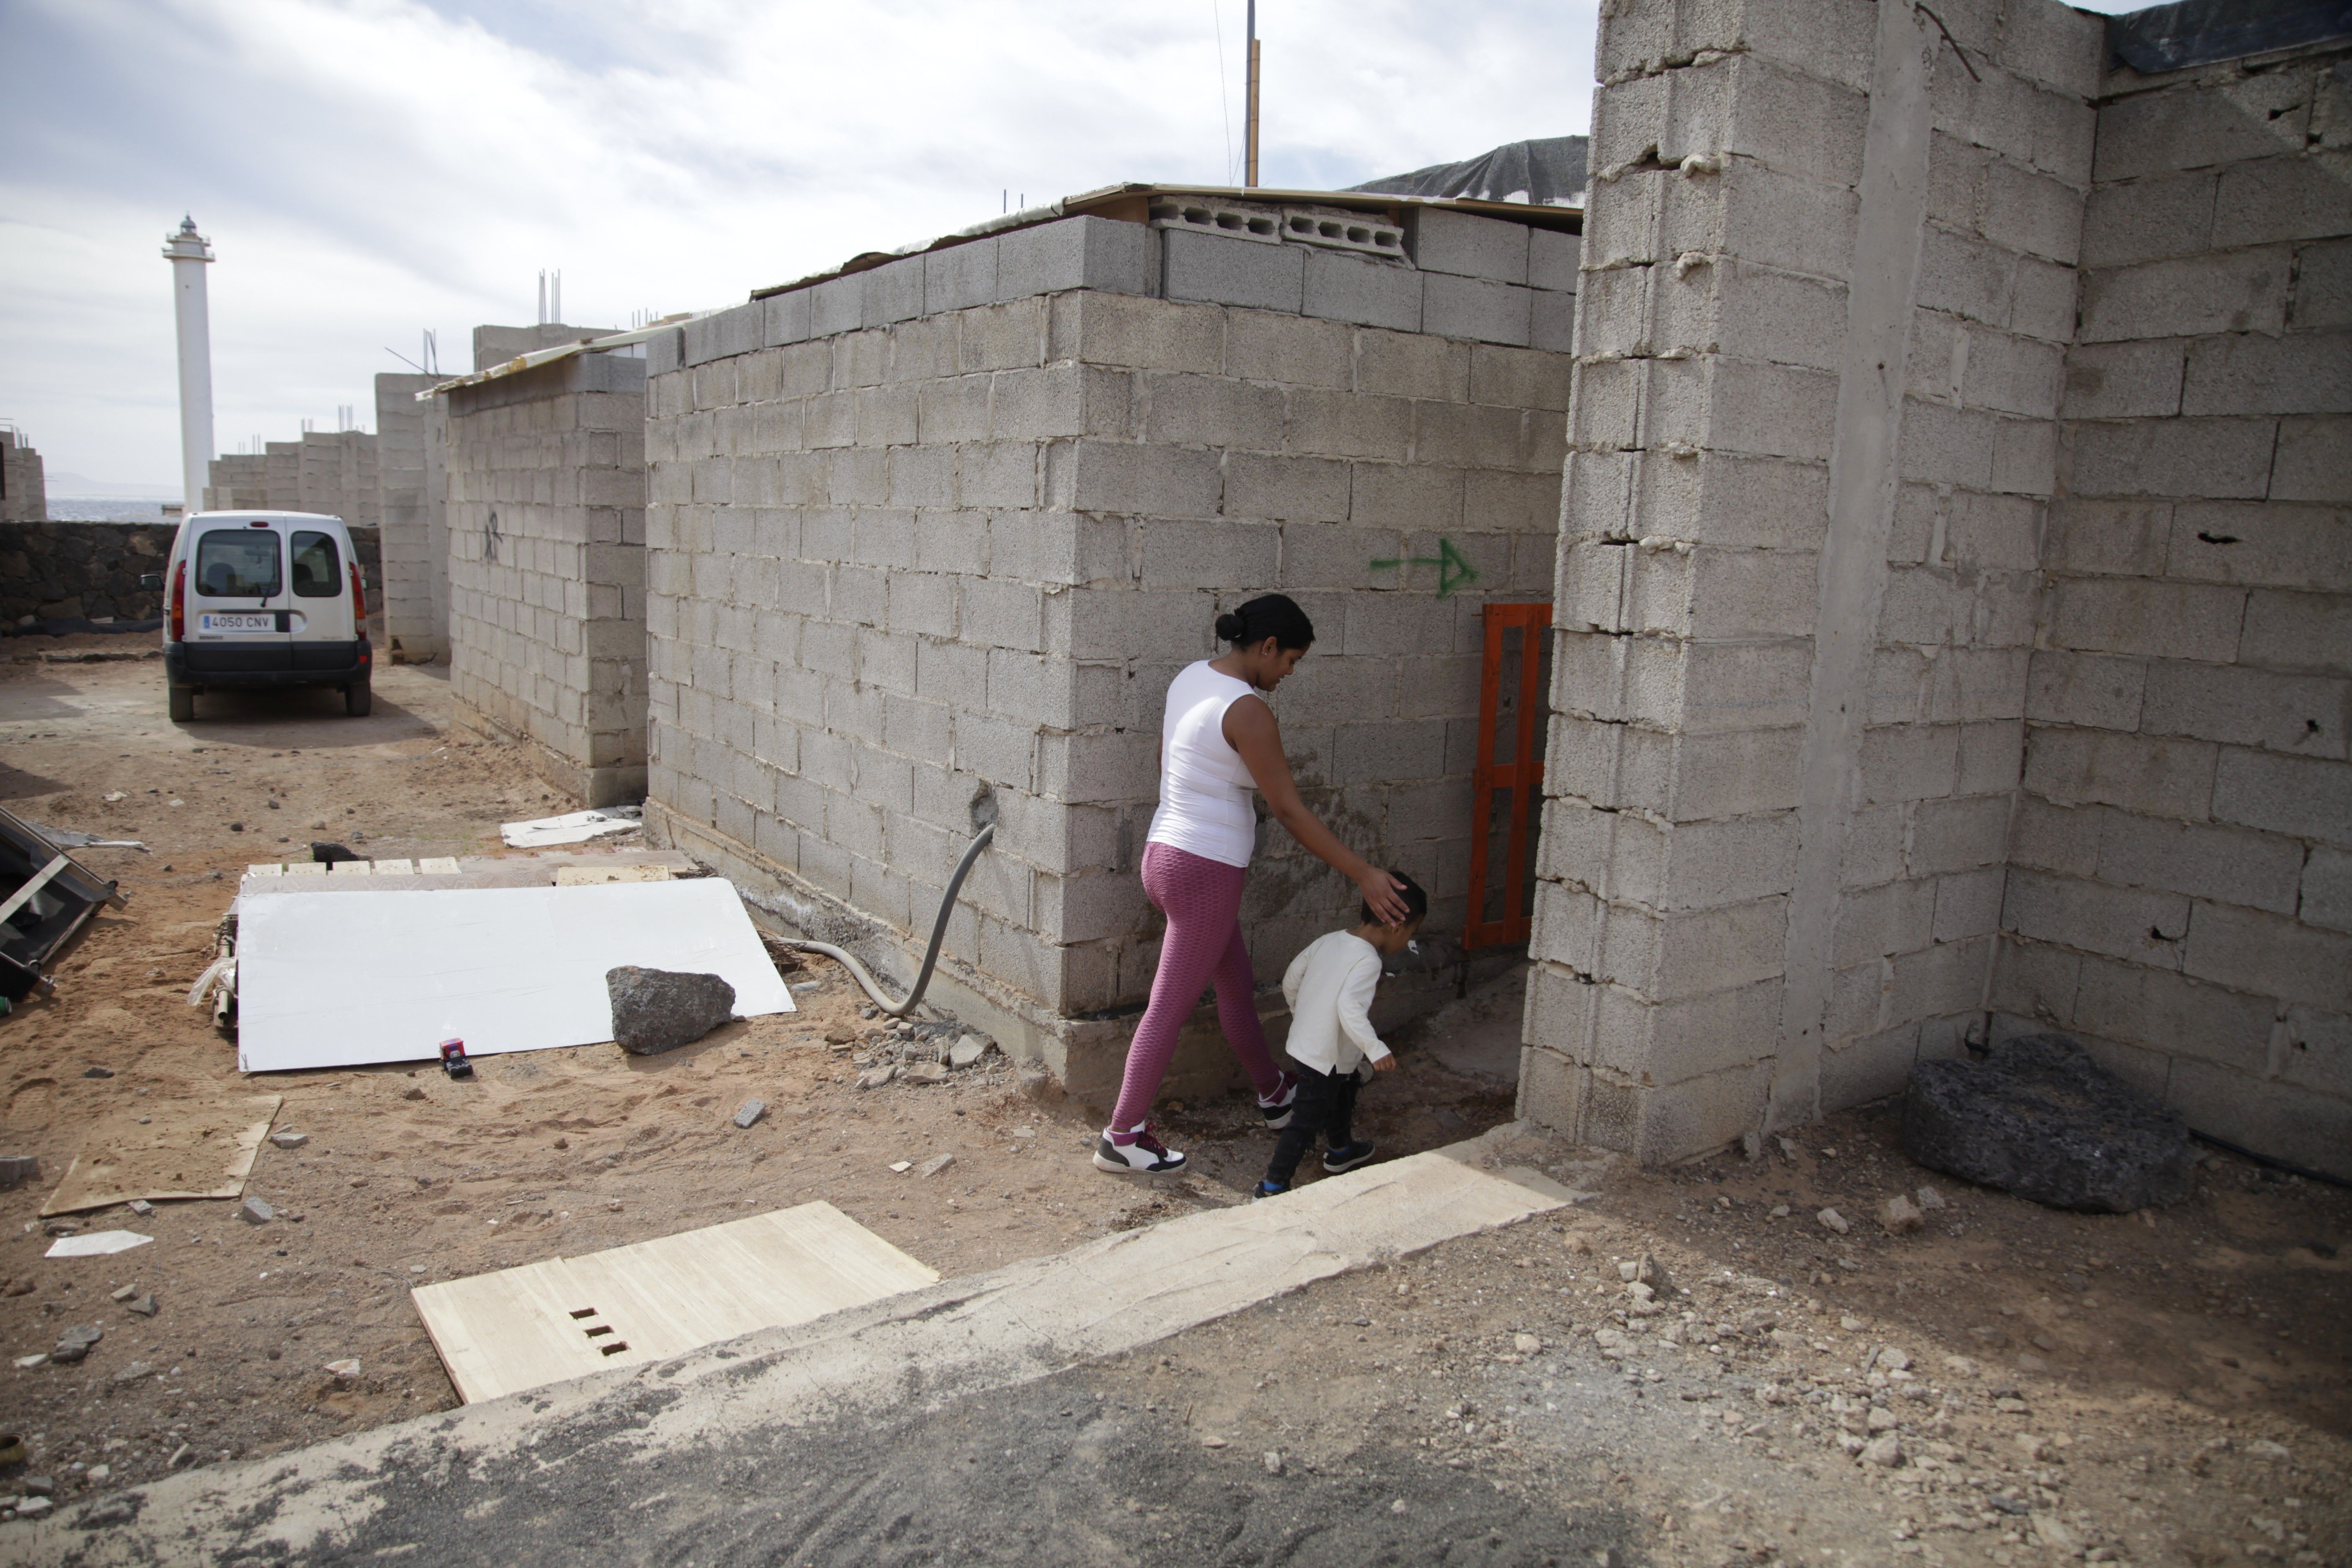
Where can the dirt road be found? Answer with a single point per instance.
(2161, 1389)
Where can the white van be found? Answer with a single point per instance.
(262, 598)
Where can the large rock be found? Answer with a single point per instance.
(2038, 1118)
(656, 1010)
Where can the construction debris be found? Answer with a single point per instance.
(750, 1112)
(575, 828)
(96, 1244)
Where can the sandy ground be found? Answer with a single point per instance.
(2158, 1388)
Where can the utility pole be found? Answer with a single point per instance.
(1250, 143)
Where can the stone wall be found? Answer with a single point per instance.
(63, 572)
(23, 495)
(546, 529)
(2180, 897)
(1843, 576)
(933, 539)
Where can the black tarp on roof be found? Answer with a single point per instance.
(1550, 172)
(2203, 32)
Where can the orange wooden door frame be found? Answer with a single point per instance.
(1522, 775)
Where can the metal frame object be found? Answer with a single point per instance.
(50, 896)
(1522, 775)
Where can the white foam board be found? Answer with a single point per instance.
(573, 828)
(341, 979)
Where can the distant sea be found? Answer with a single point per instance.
(84, 509)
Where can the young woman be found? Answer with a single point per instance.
(1218, 739)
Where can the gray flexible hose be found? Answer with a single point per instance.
(931, 959)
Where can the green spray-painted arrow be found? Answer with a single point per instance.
(1453, 569)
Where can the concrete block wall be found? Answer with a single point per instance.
(24, 493)
(239, 482)
(2180, 891)
(337, 477)
(1827, 292)
(282, 475)
(546, 566)
(411, 440)
(938, 535)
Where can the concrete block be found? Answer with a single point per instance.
(1217, 270)
(2032, 213)
(2133, 380)
(1958, 835)
(1551, 320)
(2126, 537)
(1107, 329)
(2215, 457)
(666, 352)
(2149, 219)
(2230, 291)
(2185, 1020)
(1553, 259)
(1348, 425)
(2300, 714)
(2085, 689)
(1209, 411)
(2323, 285)
(2325, 898)
(893, 291)
(2269, 955)
(1290, 351)
(1400, 364)
(788, 318)
(2306, 797)
(1294, 489)
(1134, 479)
(2283, 198)
(1970, 906)
(838, 306)
(2232, 865)
(1476, 308)
(2309, 373)
(1894, 917)
(961, 276)
(2094, 767)
(1219, 554)
(1337, 286)
(2197, 126)
(2136, 924)
(2155, 619)
(1398, 495)
(1077, 253)
(1440, 240)
(2314, 460)
(2284, 1120)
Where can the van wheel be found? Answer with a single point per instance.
(358, 699)
(181, 701)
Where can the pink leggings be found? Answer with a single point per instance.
(1202, 900)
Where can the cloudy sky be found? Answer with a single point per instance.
(367, 169)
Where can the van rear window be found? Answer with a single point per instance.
(318, 565)
(237, 563)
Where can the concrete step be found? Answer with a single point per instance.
(918, 1351)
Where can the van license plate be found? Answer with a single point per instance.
(264, 623)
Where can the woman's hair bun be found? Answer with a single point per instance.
(1230, 628)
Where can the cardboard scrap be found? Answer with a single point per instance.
(191, 1149)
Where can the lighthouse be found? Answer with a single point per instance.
(189, 255)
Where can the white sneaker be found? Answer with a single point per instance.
(1145, 1156)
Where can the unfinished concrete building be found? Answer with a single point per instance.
(412, 498)
(238, 481)
(929, 540)
(1955, 603)
(546, 516)
(24, 493)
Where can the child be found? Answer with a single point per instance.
(1330, 988)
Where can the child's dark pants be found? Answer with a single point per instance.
(1326, 1105)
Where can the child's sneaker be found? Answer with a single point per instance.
(1267, 1190)
(1146, 1155)
(1348, 1156)
(1276, 1107)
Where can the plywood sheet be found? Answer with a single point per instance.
(331, 979)
(189, 1148)
(523, 1328)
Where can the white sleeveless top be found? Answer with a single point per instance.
(1204, 785)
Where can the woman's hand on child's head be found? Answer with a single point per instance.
(1386, 1064)
(1384, 895)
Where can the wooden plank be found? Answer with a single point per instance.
(524, 1328)
(189, 1148)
